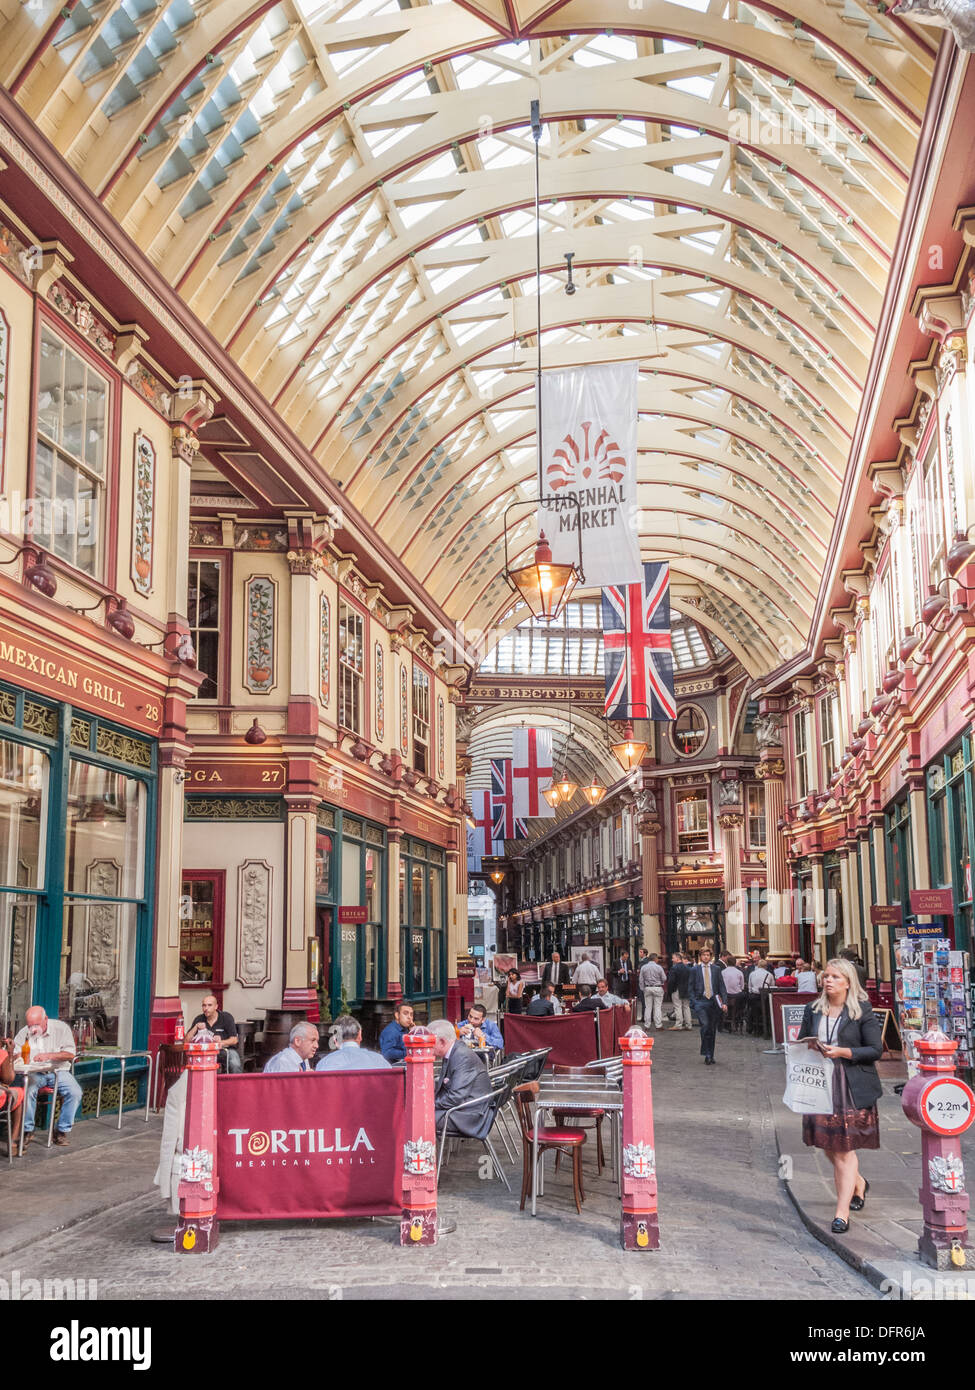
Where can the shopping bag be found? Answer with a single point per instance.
(808, 1081)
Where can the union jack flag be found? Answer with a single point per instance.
(636, 641)
(507, 826)
(484, 843)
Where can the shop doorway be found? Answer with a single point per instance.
(693, 925)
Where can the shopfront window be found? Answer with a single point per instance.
(203, 613)
(756, 816)
(692, 821)
(72, 413)
(359, 957)
(351, 668)
(201, 929)
(323, 865)
(422, 945)
(900, 861)
(24, 775)
(104, 865)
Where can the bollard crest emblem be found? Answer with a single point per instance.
(639, 1161)
(196, 1165)
(419, 1157)
(947, 1174)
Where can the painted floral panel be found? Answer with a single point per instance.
(259, 661)
(325, 650)
(380, 693)
(143, 512)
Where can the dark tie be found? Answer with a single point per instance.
(304, 1066)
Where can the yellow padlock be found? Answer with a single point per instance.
(642, 1234)
(416, 1228)
(189, 1239)
(957, 1254)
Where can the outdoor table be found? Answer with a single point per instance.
(96, 1055)
(570, 1093)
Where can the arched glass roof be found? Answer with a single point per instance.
(344, 194)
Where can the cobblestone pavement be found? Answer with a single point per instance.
(727, 1228)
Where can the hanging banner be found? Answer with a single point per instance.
(637, 648)
(531, 772)
(507, 826)
(589, 452)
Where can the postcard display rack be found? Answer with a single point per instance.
(932, 991)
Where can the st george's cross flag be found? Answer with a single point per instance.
(638, 658)
(531, 769)
(507, 826)
(484, 842)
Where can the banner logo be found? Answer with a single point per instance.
(572, 464)
(258, 1143)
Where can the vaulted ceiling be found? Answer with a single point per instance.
(343, 192)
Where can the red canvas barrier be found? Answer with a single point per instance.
(572, 1037)
(779, 1000)
(623, 1019)
(310, 1144)
(606, 1021)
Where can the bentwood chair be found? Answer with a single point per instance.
(493, 1103)
(561, 1139)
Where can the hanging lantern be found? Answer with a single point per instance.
(551, 794)
(594, 791)
(630, 751)
(565, 787)
(544, 585)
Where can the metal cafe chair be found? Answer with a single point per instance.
(494, 1103)
(557, 1137)
(515, 1070)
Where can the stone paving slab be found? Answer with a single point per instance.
(882, 1240)
(728, 1230)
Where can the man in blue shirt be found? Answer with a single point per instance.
(302, 1046)
(478, 1022)
(345, 1037)
(391, 1043)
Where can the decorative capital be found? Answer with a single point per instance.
(731, 820)
(304, 561)
(774, 768)
(185, 443)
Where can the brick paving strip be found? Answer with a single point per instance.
(727, 1227)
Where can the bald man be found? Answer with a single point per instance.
(52, 1050)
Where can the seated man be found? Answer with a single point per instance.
(52, 1050)
(587, 1000)
(345, 1038)
(603, 994)
(463, 1077)
(480, 1028)
(544, 1004)
(391, 1043)
(222, 1026)
(11, 1095)
(303, 1043)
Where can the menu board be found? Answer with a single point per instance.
(931, 991)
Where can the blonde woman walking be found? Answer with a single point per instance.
(842, 1025)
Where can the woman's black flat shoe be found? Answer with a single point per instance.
(839, 1226)
(857, 1203)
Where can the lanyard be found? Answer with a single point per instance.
(830, 1036)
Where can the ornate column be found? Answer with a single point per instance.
(649, 826)
(731, 823)
(866, 899)
(456, 933)
(394, 847)
(300, 836)
(919, 832)
(852, 925)
(304, 564)
(825, 943)
(771, 772)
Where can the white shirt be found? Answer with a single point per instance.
(758, 979)
(287, 1060)
(58, 1037)
(586, 973)
(806, 982)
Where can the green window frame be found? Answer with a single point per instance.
(423, 921)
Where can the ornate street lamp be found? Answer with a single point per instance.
(629, 752)
(543, 585)
(594, 791)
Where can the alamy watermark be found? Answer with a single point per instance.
(21, 1289)
(44, 517)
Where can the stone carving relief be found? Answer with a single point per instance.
(768, 730)
(254, 923)
(958, 16)
(729, 793)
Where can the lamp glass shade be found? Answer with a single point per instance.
(566, 788)
(594, 792)
(629, 752)
(960, 553)
(551, 795)
(544, 585)
(934, 604)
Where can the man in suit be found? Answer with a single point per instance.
(624, 975)
(543, 1003)
(554, 972)
(708, 1000)
(463, 1077)
(588, 1001)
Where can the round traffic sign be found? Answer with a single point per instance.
(947, 1105)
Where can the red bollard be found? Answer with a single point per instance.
(198, 1230)
(638, 1181)
(942, 1107)
(418, 1223)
